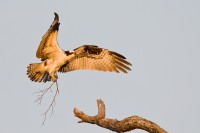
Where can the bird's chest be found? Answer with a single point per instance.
(60, 60)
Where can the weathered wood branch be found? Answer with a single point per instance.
(125, 125)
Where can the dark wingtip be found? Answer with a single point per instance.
(56, 16)
(117, 54)
(55, 24)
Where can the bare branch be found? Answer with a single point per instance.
(53, 102)
(125, 125)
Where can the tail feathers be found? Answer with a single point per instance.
(37, 72)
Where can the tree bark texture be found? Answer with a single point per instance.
(125, 125)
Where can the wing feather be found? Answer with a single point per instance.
(122, 65)
(91, 57)
(49, 43)
(121, 60)
(121, 68)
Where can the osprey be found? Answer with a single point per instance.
(54, 59)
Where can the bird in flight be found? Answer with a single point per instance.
(86, 57)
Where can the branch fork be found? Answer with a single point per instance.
(125, 125)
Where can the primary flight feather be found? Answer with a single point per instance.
(88, 57)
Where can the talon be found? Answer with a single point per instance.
(54, 78)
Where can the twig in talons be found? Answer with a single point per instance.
(43, 92)
(57, 87)
(53, 102)
(52, 105)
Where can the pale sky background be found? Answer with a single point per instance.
(160, 38)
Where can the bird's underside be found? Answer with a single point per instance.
(86, 57)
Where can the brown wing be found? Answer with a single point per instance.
(49, 43)
(94, 58)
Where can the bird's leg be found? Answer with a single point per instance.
(53, 76)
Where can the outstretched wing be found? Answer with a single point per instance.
(49, 43)
(94, 58)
